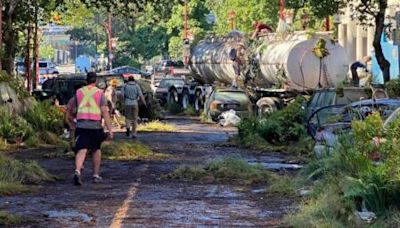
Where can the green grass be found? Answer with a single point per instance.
(204, 118)
(326, 210)
(12, 188)
(174, 108)
(283, 185)
(190, 111)
(156, 126)
(128, 150)
(12, 170)
(230, 169)
(7, 219)
(303, 148)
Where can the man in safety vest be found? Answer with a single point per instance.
(89, 107)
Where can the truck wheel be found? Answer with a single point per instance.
(185, 100)
(265, 105)
(173, 96)
(198, 101)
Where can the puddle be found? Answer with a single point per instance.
(278, 166)
(69, 214)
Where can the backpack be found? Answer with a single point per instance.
(233, 54)
(137, 93)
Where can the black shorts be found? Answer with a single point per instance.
(90, 139)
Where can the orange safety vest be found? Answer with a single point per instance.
(88, 100)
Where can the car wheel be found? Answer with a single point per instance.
(265, 105)
(198, 102)
(185, 100)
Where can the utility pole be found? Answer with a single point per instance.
(232, 15)
(28, 58)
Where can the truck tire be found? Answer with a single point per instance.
(173, 96)
(266, 105)
(185, 100)
(198, 101)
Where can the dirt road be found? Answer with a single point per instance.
(135, 194)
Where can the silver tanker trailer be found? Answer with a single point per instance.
(275, 69)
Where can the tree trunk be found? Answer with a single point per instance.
(1, 33)
(379, 23)
(9, 40)
(9, 45)
(36, 49)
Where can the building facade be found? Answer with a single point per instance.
(358, 39)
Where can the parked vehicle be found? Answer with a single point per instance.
(341, 96)
(47, 69)
(275, 72)
(224, 99)
(171, 68)
(326, 123)
(127, 71)
(63, 88)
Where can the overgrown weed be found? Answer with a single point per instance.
(26, 172)
(7, 219)
(230, 169)
(12, 188)
(190, 111)
(362, 174)
(125, 150)
(156, 126)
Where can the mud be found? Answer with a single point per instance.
(135, 194)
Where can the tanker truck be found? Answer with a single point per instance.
(273, 70)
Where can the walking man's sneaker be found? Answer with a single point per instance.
(77, 179)
(97, 179)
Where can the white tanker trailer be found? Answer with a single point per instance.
(276, 69)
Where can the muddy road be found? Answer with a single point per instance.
(135, 193)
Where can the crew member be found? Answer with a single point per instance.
(260, 27)
(111, 97)
(355, 66)
(131, 93)
(89, 108)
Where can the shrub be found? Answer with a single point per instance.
(393, 88)
(45, 117)
(280, 127)
(354, 176)
(13, 128)
(15, 83)
(284, 125)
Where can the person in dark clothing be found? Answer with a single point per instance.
(260, 27)
(355, 66)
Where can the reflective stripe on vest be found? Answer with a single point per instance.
(88, 100)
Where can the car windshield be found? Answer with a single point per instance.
(170, 82)
(231, 95)
(393, 117)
